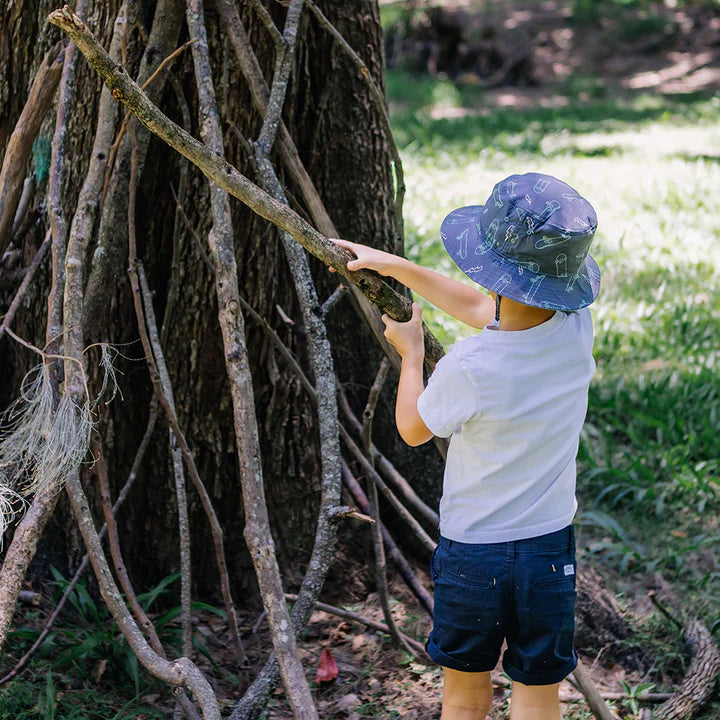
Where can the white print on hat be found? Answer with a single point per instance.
(569, 570)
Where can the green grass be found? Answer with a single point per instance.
(650, 458)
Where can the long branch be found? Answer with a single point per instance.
(217, 169)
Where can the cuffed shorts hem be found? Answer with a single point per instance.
(440, 658)
(548, 678)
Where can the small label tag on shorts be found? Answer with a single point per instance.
(569, 570)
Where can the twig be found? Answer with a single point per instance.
(267, 21)
(183, 522)
(664, 610)
(126, 119)
(257, 527)
(25, 284)
(229, 179)
(398, 558)
(20, 143)
(379, 550)
(281, 76)
(377, 481)
(330, 303)
(379, 101)
(84, 562)
(115, 551)
(389, 470)
(354, 617)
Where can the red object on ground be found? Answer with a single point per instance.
(327, 669)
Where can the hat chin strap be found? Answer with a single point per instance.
(497, 309)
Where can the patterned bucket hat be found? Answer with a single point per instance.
(529, 242)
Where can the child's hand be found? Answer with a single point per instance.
(406, 337)
(367, 257)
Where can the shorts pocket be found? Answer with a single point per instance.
(465, 566)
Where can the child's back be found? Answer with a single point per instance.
(514, 403)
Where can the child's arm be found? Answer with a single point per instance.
(407, 339)
(459, 300)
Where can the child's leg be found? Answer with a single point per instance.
(534, 702)
(466, 695)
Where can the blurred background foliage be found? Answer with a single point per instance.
(619, 98)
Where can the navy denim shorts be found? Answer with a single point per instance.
(522, 591)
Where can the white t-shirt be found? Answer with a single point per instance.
(514, 403)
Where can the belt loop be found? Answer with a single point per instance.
(449, 544)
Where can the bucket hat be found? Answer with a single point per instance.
(529, 242)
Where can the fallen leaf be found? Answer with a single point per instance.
(327, 669)
(348, 702)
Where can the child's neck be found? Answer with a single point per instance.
(516, 316)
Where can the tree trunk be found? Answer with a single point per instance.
(339, 134)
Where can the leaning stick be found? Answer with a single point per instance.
(25, 284)
(257, 525)
(389, 470)
(232, 181)
(374, 477)
(174, 423)
(379, 101)
(402, 565)
(375, 529)
(26, 129)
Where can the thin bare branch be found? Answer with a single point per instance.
(398, 558)
(25, 284)
(278, 91)
(173, 421)
(378, 547)
(20, 143)
(378, 482)
(257, 527)
(267, 21)
(380, 104)
(389, 471)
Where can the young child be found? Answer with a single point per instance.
(513, 400)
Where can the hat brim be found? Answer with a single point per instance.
(486, 267)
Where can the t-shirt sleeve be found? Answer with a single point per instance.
(450, 398)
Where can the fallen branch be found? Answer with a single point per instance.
(419, 648)
(229, 179)
(701, 676)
